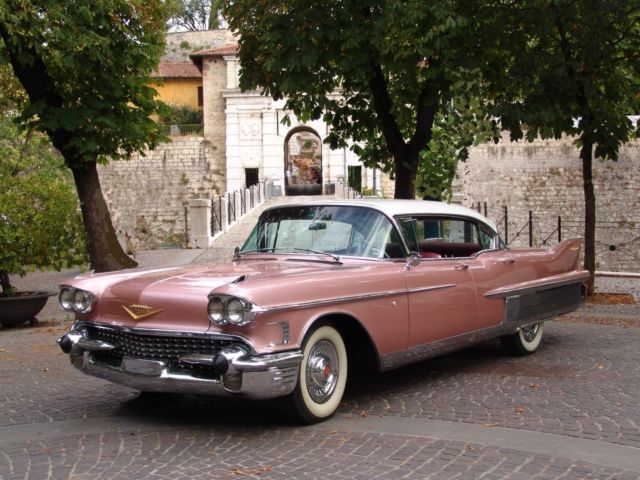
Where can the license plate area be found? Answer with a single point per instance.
(139, 366)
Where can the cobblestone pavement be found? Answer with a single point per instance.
(581, 386)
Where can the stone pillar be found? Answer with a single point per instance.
(247, 200)
(200, 219)
(232, 71)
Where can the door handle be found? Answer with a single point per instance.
(462, 266)
(508, 261)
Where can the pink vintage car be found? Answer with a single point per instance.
(316, 289)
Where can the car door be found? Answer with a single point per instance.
(441, 289)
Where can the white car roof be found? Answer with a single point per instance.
(395, 208)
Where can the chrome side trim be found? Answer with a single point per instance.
(544, 303)
(328, 301)
(551, 282)
(418, 353)
(428, 289)
(285, 332)
(356, 298)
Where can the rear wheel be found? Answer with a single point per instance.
(525, 341)
(322, 377)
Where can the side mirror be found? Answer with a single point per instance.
(413, 260)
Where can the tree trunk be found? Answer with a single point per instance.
(406, 170)
(105, 252)
(586, 155)
(4, 282)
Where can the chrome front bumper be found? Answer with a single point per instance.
(231, 371)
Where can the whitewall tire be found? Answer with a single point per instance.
(322, 377)
(525, 341)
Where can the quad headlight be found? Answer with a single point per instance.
(76, 300)
(217, 310)
(225, 310)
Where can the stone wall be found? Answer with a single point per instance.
(546, 177)
(180, 44)
(147, 194)
(214, 80)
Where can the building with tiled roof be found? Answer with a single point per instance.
(178, 70)
(229, 49)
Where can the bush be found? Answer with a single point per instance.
(181, 115)
(40, 222)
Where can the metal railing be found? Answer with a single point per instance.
(216, 215)
(232, 206)
(617, 242)
(343, 190)
(182, 130)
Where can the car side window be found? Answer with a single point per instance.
(438, 237)
(486, 239)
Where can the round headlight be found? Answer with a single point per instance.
(82, 301)
(236, 311)
(66, 299)
(216, 311)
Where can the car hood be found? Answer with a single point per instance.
(176, 298)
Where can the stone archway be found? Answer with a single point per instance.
(303, 162)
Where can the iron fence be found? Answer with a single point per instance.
(216, 215)
(231, 205)
(182, 130)
(617, 242)
(238, 204)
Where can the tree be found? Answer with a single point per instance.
(194, 15)
(393, 64)
(12, 95)
(459, 124)
(39, 221)
(574, 69)
(85, 68)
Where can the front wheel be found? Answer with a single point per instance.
(322, 377)
(525, 341)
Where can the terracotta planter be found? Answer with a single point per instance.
(22, 307)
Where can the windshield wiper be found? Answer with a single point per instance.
(336, 258)
(237, 253)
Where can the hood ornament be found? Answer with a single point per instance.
(140, 312)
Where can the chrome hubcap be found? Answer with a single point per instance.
(322, 371)
(529, 333)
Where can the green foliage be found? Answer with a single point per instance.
(86, 68)
(573, 68)
(194, 15)
(12, 95)
(181, 115)
(40, 225)
(459, 125)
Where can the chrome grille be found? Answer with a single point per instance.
(154, 347)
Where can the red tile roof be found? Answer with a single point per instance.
(230, 49)
(178, 70)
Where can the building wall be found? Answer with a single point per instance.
(147, 194)
(255, 138)
(180, 44)
(182, 91)
(546, 177)
(214, 80)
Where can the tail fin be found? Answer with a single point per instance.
(570, 250)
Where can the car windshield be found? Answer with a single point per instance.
(335, 230)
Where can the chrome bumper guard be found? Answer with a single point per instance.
(237, 372)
